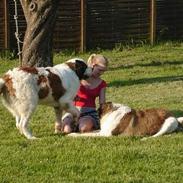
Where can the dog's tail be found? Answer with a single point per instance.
(2, 82)
(180, 125)
(180, 120)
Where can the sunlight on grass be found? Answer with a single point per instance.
(141, 77)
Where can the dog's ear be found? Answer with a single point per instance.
(104, 108)
(80, 68)
(100, 110)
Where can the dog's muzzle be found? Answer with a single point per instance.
(87, 73)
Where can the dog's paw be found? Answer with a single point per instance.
(33, 138)
(145, 138)
(58, 129)
(74, 134)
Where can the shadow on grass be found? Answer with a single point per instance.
(177, 113)
(118, 83)
(153, 63)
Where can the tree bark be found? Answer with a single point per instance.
(40, 16)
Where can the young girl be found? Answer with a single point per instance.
(89, 90)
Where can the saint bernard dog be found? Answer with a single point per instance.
(118, 119)
(23, 88)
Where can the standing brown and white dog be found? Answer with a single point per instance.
(118, 119)
(23, 88)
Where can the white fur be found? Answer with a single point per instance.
(169, 126)
(95, 133)
(108, 122)
(111, 120)
(180, 120)
(1, 83)
(69, 81)
(23, 104)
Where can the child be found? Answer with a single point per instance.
(89, 90)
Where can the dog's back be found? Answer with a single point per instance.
(29, 85)
(22, 89)
(144, 122)
(19, 91)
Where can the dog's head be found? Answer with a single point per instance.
(80, 68)
(105, 108)
(108, 107)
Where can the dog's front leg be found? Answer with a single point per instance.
(73, 110)
(58, 123)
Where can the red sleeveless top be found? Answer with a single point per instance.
(86, 97)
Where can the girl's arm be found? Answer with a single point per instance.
(102, 98)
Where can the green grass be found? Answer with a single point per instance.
(140, 77)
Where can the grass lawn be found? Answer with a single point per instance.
(140, 77)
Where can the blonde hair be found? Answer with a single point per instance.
(94, 56)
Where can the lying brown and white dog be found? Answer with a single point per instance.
(23, 88)
(118, 119)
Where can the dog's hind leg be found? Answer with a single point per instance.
(180, 124)
(16, 115)
(14, 112)
(24, 128)
(170, 125)
(17, 118)
(180, 120)
(26, 112)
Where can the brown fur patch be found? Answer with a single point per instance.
(56, 84)
(31, 70)
(42, 79)
(124, 123)
(65, 106)
(142, 122)
(71, 65)
(44, 90)
(9, 84)
(105, 108)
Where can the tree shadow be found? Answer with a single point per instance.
(118, 83)
(153, 63)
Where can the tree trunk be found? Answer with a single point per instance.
(40, 16)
